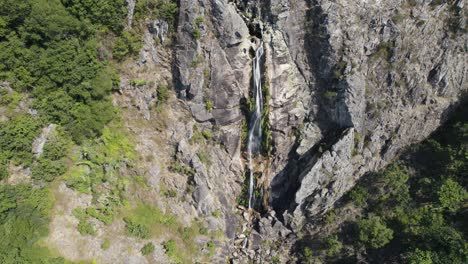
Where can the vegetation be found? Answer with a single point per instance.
(373, 232)
(182, 169)
(334, 245)
(166, 10)
(24, 214)
(172, 251)
(49, 50)
(414, 211)
(105, 244)
(209, 105)
(196, 33)
(147, 249)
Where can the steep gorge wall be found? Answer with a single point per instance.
(352, 83)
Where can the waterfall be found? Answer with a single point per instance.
(255, 129)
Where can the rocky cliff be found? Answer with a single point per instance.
(352, 83)
(348, 85)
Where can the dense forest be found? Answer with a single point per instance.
(56, 60)
(414, 211)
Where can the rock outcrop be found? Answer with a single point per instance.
(352, 83)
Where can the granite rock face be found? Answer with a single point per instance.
(352, 83)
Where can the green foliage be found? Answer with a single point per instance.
(53, 55)
(451, 195)
(136, 229)
(265, 121)
(395, 180)
(330, 217)
(162, 95)
(207, 134)
(48, 170)
(275, 259)
(128, 43)
(334, 246)
(211, 247)
(140, 220)
(23, 221)
(204, 157)
(420, 257)
(306, 254)
(100, 161)
(138, 83)
(171, 193)
(373, 232)
(3, 169)
(196, 33)
(166, 10)
(199, 21)
(182, 169)
(384, 51)
(105, 244)
(359, 195)
(209, 105)
(107, 13)
(216, 213)
(86, 228)
(172, 250)
(147, 249)
(10, 99)
(17, 136)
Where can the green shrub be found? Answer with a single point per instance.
(199, 21)
(359, 196)
(204, 157)
(136, 229)
(85, 228)
(216, 213)
(211, 247)
(373, 232)
(334, 246)
(330, 217)
(105, 244)
(129, 43)
(24, 219)
(48, 170)
(207, 134)
(182, 169)
(196, 33)
(171, 193)
(147, 249)
(209, 105)
(452, 195)
(3, 169)
(162, 94)
(108, 13)
(420, 257)
(138, 83)
(172, 251)
(307, 253)
(166, 10)
(17, 137)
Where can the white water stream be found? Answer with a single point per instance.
(255, 129)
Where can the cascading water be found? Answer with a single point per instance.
(255, 129)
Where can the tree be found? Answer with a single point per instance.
(334, 245)
(373, 232)
(451, 195)
(420, 257)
